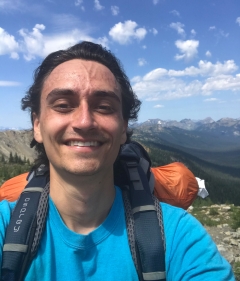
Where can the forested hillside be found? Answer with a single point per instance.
(222, 182)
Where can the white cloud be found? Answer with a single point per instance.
(144, 47)
(79, 3)
(212, 27)
(193, 32)
(238, 20)
(178, 26)
(141, 61)
(98, 6)
(8, 44)
(14, 55)
(35, 43)
(158, 106)
(188, 49)
(222, 83)
(115, 10)
(124, 33)
(155, 2)
(163, 84)
(206, 68)
(210, 100)
(208, 54)
(9, 84)
(175, 13)
(154, 31)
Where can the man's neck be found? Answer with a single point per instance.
(83, 203)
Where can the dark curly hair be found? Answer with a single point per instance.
(85, 51)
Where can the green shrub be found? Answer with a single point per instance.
(235, 218)
(213, 212)
(236, 270)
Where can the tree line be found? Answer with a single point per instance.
(13, 166)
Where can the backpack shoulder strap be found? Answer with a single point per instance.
(26, 226)
(143, 213)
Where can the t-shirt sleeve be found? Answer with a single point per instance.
(5, 214)
(191, 254)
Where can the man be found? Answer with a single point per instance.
(80, 103)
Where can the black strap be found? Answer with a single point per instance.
(21, 230)
(148, 228)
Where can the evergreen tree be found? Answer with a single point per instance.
(11, 160)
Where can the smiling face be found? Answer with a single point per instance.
(80, 122)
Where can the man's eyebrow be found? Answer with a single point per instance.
(110, 94)
(60, 92)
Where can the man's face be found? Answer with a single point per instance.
(80, 121)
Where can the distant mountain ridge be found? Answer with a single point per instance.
(227, 125)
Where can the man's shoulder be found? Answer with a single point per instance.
(178, 219)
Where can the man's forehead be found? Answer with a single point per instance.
(81, 67)
(81, 75)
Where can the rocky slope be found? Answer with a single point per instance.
(226, 239)
(16, 142)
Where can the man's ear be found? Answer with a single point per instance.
(36, 128)
(124, 132)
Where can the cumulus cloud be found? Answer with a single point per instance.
(141, 61)
(158, 106)
(238, 20)
(188, 49)
(208, 54)
(35, 43)
(9, 83)
(98, 6)
(221, 83)
(154, 31)
(8, 44)
(124, 33)
(206, 68)
(175, 13)
(178, 26)
(79, 3)
(207, 78)
(115, 10)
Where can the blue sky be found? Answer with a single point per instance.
(182, 56)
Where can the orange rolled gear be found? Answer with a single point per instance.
(13, 187)
(175, 184)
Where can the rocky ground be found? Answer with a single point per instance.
(218, 224)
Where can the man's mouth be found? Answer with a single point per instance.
(82, 144)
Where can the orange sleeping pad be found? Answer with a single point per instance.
(12, 188)
(175, 184)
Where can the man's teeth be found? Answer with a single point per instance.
(80, 143)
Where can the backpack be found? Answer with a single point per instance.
(132, 173)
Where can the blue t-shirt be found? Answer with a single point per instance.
(104, 254)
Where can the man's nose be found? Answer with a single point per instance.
(83, 118)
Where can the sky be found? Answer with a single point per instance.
(181, 56)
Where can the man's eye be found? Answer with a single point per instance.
(62, 107)
(105, 108)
